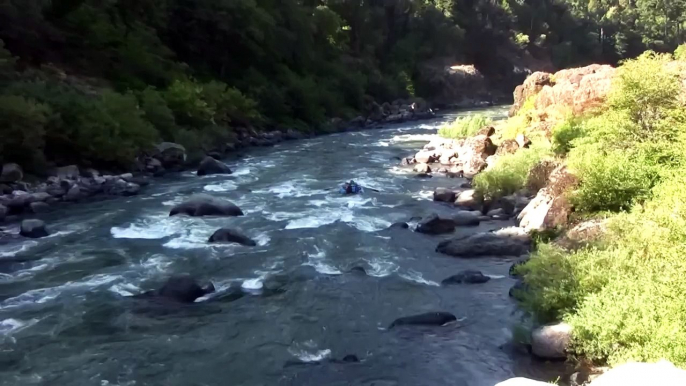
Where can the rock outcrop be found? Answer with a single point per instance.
(551, 207)
(209, 165)
(504, 242)
(551, 341)
(33, 229)
(434, 225)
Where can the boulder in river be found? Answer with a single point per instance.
(467, 218)
(551, 341)
(11, 173)
(228, 235)
(204, 205)
(434, 225)
(39, 207)
(33, 229)
(210, 165)
(399, 225)
(183, 289)
(426, 319)
(468, 200)
(468, 276)
(444, 195)
(511, 241)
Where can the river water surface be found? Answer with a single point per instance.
(67, 316)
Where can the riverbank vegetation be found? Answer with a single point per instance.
(464, 127)
(95, 83)
(623, 293)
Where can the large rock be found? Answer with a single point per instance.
(531, 86)
(228, 235)
(508, 146)
(551, 207)
(70, 172)
(468, 200)
(444, 195)
(473, 153)
(422, 168)
(425, 157)
(74, 194)
(468, 276)
(204, 205)
(551, 341)
(210, 165)
(32, 228)
(434, 225)
(40, 197)
(662, 373)
(11, 173)
(504, 242)
(467, 218)
(39, 207)
(170, 154)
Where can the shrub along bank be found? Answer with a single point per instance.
(624, 292)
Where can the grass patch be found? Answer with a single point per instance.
(509, 174)
(465, 126)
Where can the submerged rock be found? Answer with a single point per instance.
(228, 235)
(467, 218)
(434, 225)
(204, 205)
(210, 165)
(426, 319)
(399, 225)
(505, 242)
(551, 341)
(468, 276)
(33, 229)
(182, 289)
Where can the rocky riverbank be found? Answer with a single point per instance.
(72, 184)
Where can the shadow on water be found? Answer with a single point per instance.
(67, 315)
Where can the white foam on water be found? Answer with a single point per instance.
(252, 284)
(401, 171)
(321, 217)
(369, 224)
(306, 356)
(417, 277)
(423, 195)
(193, 238)
(125, 289)
(382, 143)
(280, 216)
(245, 170)
(43, 295)
(262, 239)
(225, 186)
(317, 260)
(496, 276)
(413, 138)
(14, 249)
(157, 263)
(11, 325)
(294, 188)
(381, 268)
(150, 228)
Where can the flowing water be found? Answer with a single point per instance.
(67, 316)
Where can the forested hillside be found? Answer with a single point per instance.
(97, 81)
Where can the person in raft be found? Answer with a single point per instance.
(351, 188)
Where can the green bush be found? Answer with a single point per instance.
(624, 297)
(22, 130)
(680, 52)
(185, 99)
(157, 112)
(611, 180)
(509, 173)
(464, 126)
(564, 134)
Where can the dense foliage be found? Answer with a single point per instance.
(191, 70)
(624, 293)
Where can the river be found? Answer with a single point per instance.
(67, 316)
